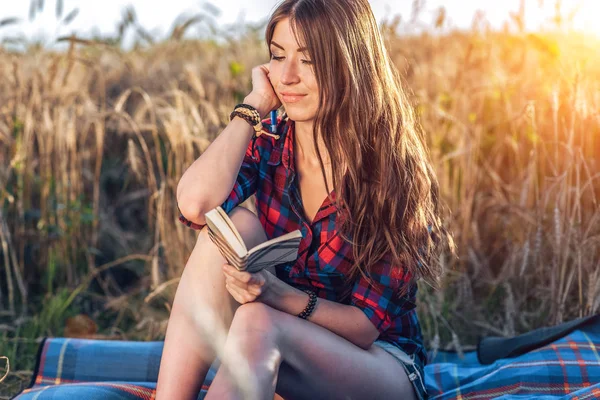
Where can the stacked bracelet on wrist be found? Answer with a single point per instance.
(312, 302)
(252, 116)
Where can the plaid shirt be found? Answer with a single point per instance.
(324, 258)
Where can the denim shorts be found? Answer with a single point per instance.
(413, 368)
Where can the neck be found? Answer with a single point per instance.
(306, 152)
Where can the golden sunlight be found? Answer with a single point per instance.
(586, 18)
(580, 16)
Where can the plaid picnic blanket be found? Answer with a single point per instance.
(568, 368)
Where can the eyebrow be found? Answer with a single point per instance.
(300, 50)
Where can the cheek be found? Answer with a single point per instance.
(314, 90)
(311, 84)
(274, 72)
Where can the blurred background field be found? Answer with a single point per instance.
(94, 137)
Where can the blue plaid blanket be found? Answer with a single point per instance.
(568, 367)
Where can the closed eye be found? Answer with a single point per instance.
(273, 57)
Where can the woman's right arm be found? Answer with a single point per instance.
(210, 179)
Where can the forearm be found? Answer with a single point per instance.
(344, 320)
(209, 180)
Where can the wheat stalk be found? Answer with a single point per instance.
(7, 367)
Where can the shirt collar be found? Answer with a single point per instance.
(285, 148)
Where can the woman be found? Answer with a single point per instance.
(351, 172)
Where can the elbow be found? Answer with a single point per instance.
(366, 337)
(190, 207)
(182, 192)
(366, 333)
(365, 343)
(192, 212)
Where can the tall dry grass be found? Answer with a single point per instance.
(513, 125)
(94, 140)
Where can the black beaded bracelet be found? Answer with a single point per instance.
(312, 302)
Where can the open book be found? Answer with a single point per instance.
(279, 250)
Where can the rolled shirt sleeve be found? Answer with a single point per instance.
(378, 297)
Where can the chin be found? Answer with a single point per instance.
(299, 115)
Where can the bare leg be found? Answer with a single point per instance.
(187, 353)
(302, 360)
(252, 336)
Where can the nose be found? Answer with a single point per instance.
(290, 75)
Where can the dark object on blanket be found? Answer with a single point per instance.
(491, 349)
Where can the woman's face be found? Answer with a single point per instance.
(292, 74)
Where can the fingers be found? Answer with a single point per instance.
(242, 276)
(247, 278)
(262, 87)
(254, 290)
(244, 285)
(238, 295)
(261, 70)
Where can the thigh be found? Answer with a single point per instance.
(201, 314)
(318, 364)
(202, 284)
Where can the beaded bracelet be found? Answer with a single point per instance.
(312, 302)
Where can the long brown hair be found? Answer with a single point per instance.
(384, 184)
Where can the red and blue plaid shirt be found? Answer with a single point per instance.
(324, 258)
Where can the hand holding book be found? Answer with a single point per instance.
(246, 287)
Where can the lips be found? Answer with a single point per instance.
(287, 97)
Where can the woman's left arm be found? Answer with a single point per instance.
(346, 321)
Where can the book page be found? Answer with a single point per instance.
(227, 252)
(221, 226)
(231, 226)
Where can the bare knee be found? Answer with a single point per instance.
(249, 226)
(246, 223)
(254, 316)
(253, 327)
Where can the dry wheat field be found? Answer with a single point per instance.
(93, 140)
